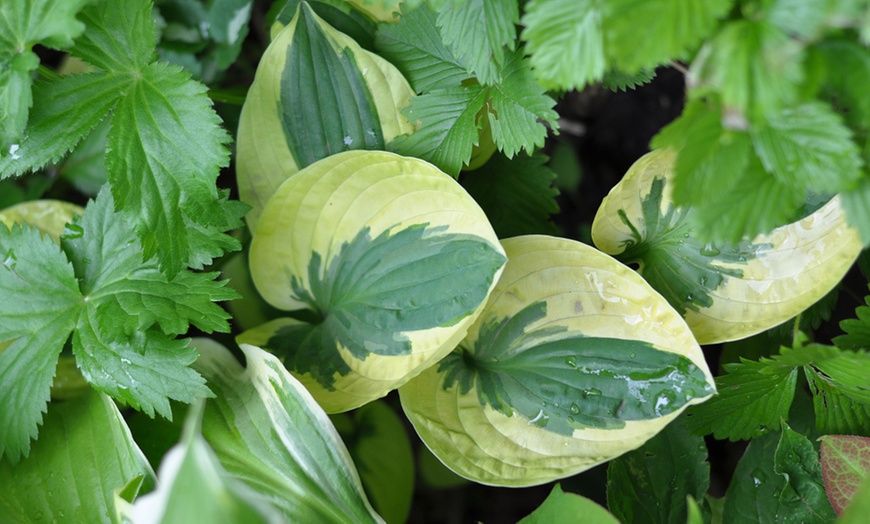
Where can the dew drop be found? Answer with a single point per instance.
(571, 361)
(689, 297)
(540, 420)
(13, 151)
(591, 392)
(709, 250)
(10, 259)
(575, 410)
(633, 355)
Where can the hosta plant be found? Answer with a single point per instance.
(378, 182)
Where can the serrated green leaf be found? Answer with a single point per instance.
(755, 66)
(517, 195)
(118, 38)
(857, 330)
(478, 32)
(635, 492)
(774, 480)
(143, 373)
(845, 466)
(565, 42)
(448, 126)
(753, 398)
(560, 506)
(414, 46)
(108, 260)
(38, 311)
(617, 80)
(85, 167)
(797, 460)
(84, 454)
(267, 430)
(857, 204)
(803, 18)
(163, 172)
(616, 379)
(69, 109)
(363, 296)
(644, 34)
(808, 148)
(23, 24)
(519, 108)
(834, 411)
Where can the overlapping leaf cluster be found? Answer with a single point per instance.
(117, 291)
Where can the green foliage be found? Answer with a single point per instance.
(777, 117)
(635, 491)
(563, 382)
(123, 315)
(517, 195)
(414, 45)
(778, 479)
(325, 103)
(376, 289)
(70, 461)
(675, 261)
(24, 24)
(559, 505)
(165, 145)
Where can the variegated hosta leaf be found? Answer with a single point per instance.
(49, 216)
(391, 255)
(316, 93)
(574, 361)
(725, 291)
(268, 432)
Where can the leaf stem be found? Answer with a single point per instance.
(47, 73)
(796, 330)
(226, 97)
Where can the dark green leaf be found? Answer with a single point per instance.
(836, 413)
(561, 507)
(84, 454)
(517, 195)
(847, 68)
(375, 289)
(448, 126)
(387, 477)
(40, 304)
(753, 398)
(325, 103)
(143, 373)
(563, 382)
(635, 491)
(857, 330)
(340, 14)
(776, 481)
(414, 46)
(856, 202)
(478, 32)
(797, 460)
